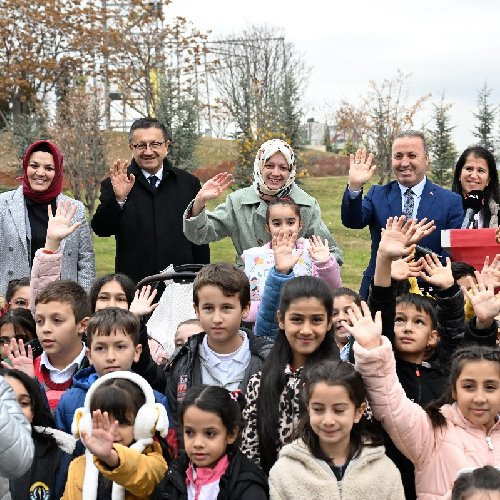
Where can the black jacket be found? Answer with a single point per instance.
(184, 371)
(148, 229)
(243, 480)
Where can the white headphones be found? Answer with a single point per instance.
(151, 418)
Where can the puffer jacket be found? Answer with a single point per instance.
(184, 371)
(329, 271)
(298, 474)
(243, 480)
(437, 453)
(16, 445)
(74, 398)
(266, 324)
(46, 269)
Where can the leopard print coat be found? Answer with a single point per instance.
(288, 410)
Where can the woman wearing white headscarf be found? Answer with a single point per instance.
(242, 216)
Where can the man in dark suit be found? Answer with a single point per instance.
(142, 205)
(411, 194)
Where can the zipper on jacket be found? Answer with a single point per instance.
(490, 442)
(417, 373)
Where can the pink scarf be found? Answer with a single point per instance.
(201, 476)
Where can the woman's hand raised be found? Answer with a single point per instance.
(59, 225)
(213, 188)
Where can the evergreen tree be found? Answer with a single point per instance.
(177, 109)
(442, 150)
(485, 117)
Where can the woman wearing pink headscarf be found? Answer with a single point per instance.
(242, 216)
(24, 214)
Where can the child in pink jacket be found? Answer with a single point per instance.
(284, 214)
(461, 430)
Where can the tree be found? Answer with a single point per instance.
(141, 46)
(78, 131)
(383, 113)
(442, 150)
(28, 128)
(41, 43)
(388, 114)
(485, 116)
(177, 109)
(260, 81)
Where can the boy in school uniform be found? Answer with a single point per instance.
(224, 354)
(61, 314)
(113, 339)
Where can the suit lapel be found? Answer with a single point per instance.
(18, 212)
(426, 201)
(394, 198)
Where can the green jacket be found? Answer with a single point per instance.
(243, 218)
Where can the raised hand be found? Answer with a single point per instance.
(121, 182)
(366, 331)
(397, 232)
(213, 188)
(491, 272)
(436, 274)
(483, 299)
(361, 169)
(18, 358)
(419, 230)
(143, 301)
(59, 225)
(402, 269)
(100, 441)
(318, 249)
(284, 258)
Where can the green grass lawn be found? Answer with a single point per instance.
(328, 191)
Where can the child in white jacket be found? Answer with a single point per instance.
(337, 454)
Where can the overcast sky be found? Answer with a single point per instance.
(447, 45)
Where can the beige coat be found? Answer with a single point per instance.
(298, 474)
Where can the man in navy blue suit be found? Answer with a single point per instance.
(411, 194)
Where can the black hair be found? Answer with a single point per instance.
(462, 269)
(125, 282)
(421, 303)
(228, 277)
(282, 201)
(14, 285)
(337, 373)
(150, 122)
(111, 320)
(67, 292)
(469, 354)
(347, 292)
(42, 417)
(122, 398)
(217, 400)
(23, 323)
(273, 378)
(43, 147)
(482, 479)
(492, 190)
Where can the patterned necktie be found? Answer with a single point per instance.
(409, 204)
(152, 179)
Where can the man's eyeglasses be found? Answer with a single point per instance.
(142, 146)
